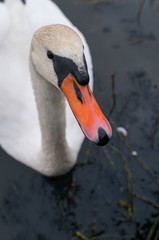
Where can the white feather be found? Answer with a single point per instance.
(5, 22)
(20, 134)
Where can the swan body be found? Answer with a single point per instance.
(40, 131)
(5, 19)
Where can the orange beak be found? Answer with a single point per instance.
(86, 110)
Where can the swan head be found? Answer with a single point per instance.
(56, 51)
(57, 54)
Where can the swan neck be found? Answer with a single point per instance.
(51, 111)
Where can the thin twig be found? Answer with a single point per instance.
(90, 2)
(124, 104)
(138, 18)
(129, 182)
(87, 153)
(112, 77)
(157, 235)
(112, 163)
(146, 200)
(153, 230)
(128, 147)
(80, 235)
(123, 204)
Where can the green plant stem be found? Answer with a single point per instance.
(153, 230)
(128, 147)
(87, 153)
(129, 182)
(112, 163)
(80, 235)
(147, 200)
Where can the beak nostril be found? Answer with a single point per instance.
(82, 77)
(103, 137)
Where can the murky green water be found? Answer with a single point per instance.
(111, 193)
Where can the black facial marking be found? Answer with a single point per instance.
(78, 92)
(89, 91)
(63, 66)
(23, 1)
(85, 63)
(50, 55)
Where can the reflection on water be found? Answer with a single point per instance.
(110, 192)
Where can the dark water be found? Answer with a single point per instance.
(110, 194)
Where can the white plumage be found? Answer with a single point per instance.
(42, 131)
(20, 133)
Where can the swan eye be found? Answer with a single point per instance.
(50, 54)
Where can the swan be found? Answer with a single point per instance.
(5, 19)
(46, 70)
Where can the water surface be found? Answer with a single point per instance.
(110, 193)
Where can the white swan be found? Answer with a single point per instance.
(47, 140)
(5, 22)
